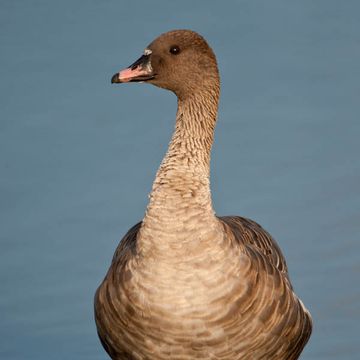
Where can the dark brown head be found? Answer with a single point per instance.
(179, 60)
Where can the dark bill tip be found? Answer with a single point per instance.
(115, 79)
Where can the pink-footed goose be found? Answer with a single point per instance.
(185, 283)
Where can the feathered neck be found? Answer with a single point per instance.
(181, 190)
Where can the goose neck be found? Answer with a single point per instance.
(188, 155)
(181, 196)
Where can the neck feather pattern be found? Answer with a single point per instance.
(181, 191)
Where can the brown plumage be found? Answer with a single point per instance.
(184, 283)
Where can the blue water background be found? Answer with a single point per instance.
(78, 155)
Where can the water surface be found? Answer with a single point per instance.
(78, 155)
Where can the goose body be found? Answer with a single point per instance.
(185, 283)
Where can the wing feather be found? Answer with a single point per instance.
(250, 233)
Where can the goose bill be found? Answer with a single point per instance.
(140, 70)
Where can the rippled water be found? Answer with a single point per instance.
(78, 155)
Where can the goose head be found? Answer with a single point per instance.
(179, 60)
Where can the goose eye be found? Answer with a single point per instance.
(175, 50)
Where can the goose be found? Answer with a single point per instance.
(185, 283)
